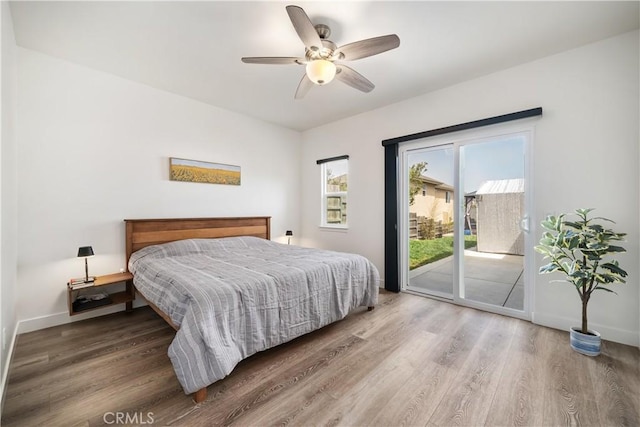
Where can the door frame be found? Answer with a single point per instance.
(403, 211)
(391, 259)
(456, 140)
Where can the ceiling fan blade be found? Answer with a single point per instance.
(368, 47)
(303, 87)
(273, 60)
(353, 78)
(304, 27)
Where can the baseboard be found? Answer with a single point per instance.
(43, 322)
(5, 372)
(610, 334)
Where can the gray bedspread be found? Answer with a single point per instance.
(233, 297)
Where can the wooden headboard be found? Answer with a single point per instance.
(146, 232)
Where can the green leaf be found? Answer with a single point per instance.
(549, 268)
(575, 225)
(574, 242)
(605, 278)
(578, 285)
(596, 227)
(584, 211)
(592, 256)
(599, 288)
(542, 249)
(580, 274)
(549, 224)
(547, 240)
(569, 267)
(602, 219)
(613, 267)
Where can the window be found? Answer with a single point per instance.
(334, 192)
(447, 196)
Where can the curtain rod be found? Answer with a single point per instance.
(331, 159)
(465, 126)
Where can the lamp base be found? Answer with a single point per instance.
(79, 280)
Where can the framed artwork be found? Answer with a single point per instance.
(197, 171)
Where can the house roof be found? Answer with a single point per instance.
(438, 184)
(502, 186)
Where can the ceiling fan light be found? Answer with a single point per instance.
(321, 71)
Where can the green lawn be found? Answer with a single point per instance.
(423, 252)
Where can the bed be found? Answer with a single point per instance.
(230, 292)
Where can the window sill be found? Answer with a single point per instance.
(337, 228)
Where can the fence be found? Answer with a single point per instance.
(422, 227)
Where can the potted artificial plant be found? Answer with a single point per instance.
(581, 250)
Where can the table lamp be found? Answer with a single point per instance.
(86, 251)
(289, 233)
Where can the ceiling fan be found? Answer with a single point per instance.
(321, 55)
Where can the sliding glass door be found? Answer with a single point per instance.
(493, 184)
(463, 219)
(431, 220)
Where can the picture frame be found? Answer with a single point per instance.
(187, 170)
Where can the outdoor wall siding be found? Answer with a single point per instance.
(498, 223)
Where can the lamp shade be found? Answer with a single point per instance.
(289, 233)
(85, 251)
(321, 71)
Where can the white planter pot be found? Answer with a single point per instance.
(587, 344)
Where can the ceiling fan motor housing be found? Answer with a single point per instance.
(325, 52)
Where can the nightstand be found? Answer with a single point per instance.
(101, 285)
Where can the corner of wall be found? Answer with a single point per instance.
(8, 199)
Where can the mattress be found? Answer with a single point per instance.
(233, 297)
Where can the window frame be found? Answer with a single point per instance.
(325, 195)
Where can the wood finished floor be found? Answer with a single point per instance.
(411, 361)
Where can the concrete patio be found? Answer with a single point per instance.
(490, 278)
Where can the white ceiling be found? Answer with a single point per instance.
(194, 48)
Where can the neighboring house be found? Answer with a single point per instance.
(338, 183)
(500, 208)
(434, 200)
(337, 204)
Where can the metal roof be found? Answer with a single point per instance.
(502, 186)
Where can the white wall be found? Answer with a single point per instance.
(585, 155)
(93, 149)
(8, 205)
